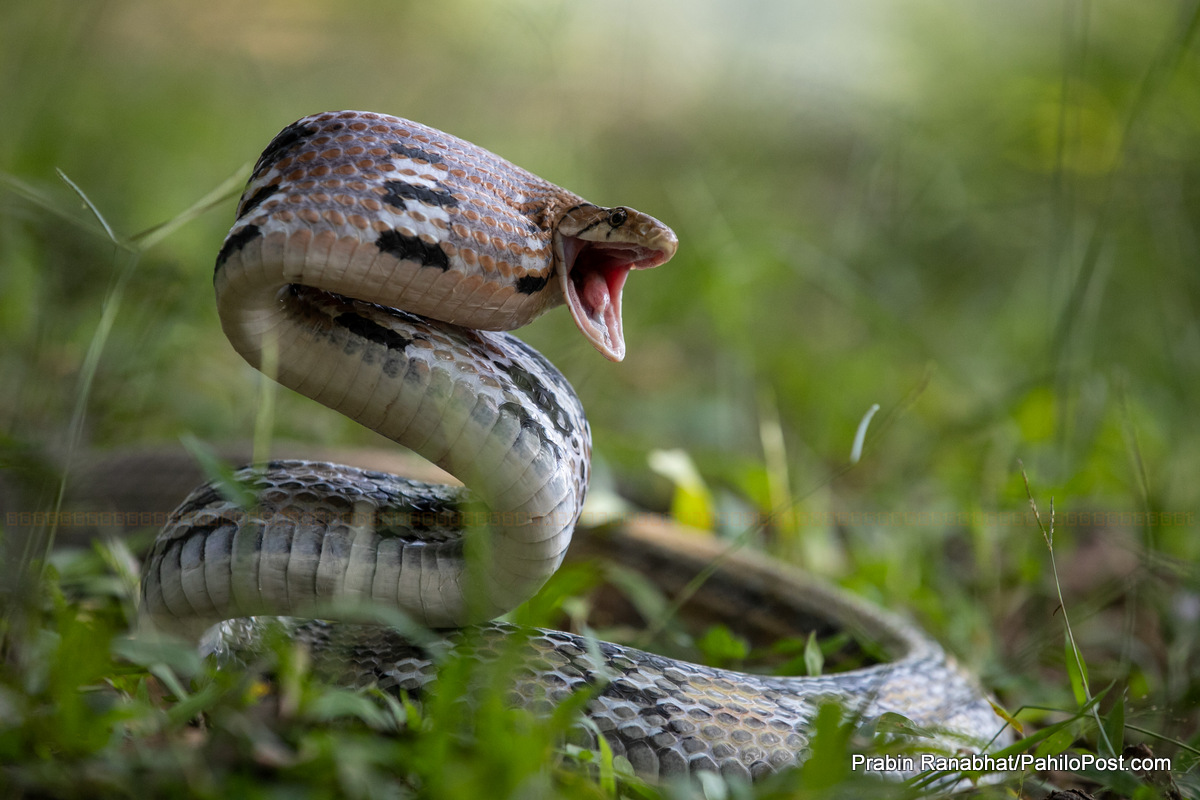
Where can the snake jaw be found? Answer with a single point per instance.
(592, 284)
(595, 261)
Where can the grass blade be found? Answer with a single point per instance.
(87, 202)
(230, 187)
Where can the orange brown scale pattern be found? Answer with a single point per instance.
(430, 202)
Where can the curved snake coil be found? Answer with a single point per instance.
(371, 260)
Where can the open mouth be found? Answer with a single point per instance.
(593, 275)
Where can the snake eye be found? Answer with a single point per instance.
(617, 217)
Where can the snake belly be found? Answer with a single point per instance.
(374, 266)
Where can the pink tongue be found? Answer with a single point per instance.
(595, 297)
(595, 303)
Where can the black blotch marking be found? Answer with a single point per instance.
(284, 141)
(542, 397)
(392, 365)
(419, 514)
(203, 497)
(528, 423)
(399, 191)
(630, 693)
(372, 331)
(530, 284)
(256, 199)
(414, 152)
(236, 241)
(412, 248)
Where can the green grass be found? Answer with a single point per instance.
(993, 239)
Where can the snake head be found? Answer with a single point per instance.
(594, 249)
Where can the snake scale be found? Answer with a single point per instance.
(374, 266)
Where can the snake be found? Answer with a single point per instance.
(376, 266)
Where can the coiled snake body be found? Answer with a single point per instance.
(371, 259)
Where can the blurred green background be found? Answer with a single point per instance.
(982, 216)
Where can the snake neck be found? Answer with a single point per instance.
(482, 405)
